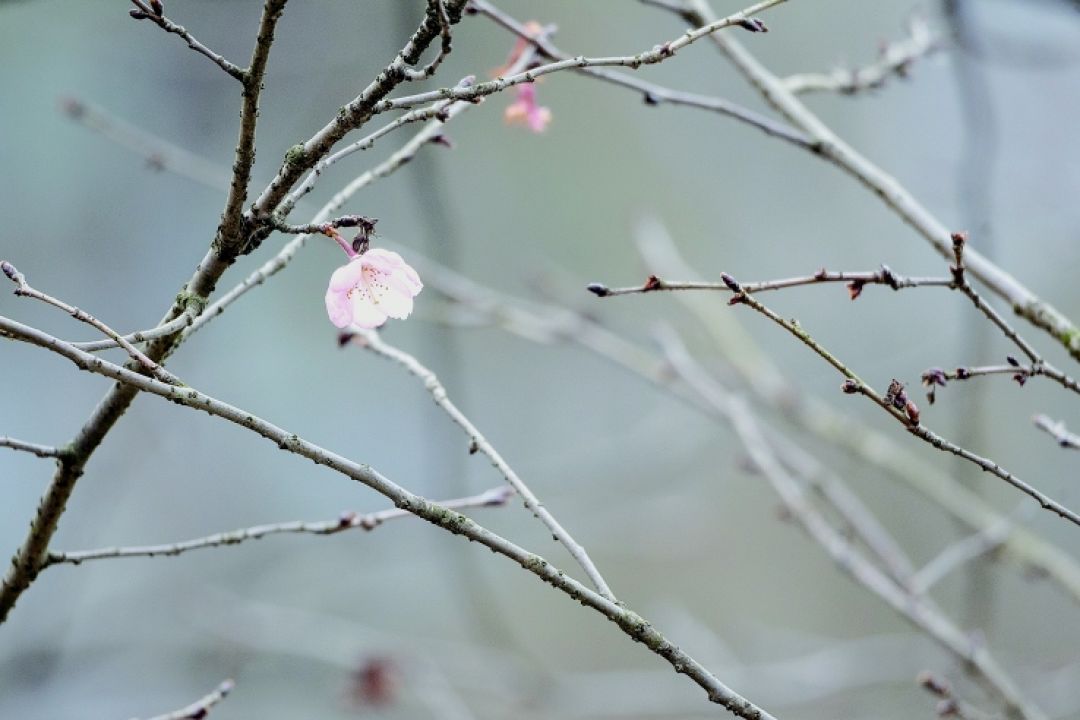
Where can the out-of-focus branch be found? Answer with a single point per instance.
(895, 59)
(23, 289)
(1057, 430)
(346, 521)
(159, 154)
(42, 451)
(829, 146)
(152, 10)
(959, 553)
(371, 340)
(630, 622)
(201, 707)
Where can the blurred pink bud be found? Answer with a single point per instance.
(526, 110)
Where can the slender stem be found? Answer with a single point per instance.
(23, 289)
(917, 609)
(478, 443)
(654, 94)
(170, 328)
(857, 385)
(347, 521)
(855, 280)
(656, 55)
(201, 707)
(631, 623)
(42, 451)
(170, 27)
(437, 110)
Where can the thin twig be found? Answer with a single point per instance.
(436, 8)
(438, 110)
(146, 12)
(656, 55)
(895, 59)
(892, 405)
(631, 623)
(427, 135)
(855, 281)
(1057, 430)
(431, 133)
(23, 289)
(828, 145)
(479, 443)
(652, 93)
(170, 328)
(820, 419)
(42, 451)
(346, 521)
(201, 707)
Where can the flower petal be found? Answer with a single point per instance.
(365, 313)
(347, 276)
(396, 304)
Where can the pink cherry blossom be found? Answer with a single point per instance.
(370, 288)
(526, 110)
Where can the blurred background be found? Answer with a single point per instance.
(407, 621)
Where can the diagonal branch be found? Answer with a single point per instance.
(152, 11)
(631, 623)
(23, 289)
(895, 404)
(478, 443)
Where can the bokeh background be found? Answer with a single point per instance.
(660, 495)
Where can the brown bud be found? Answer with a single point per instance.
(912, 411)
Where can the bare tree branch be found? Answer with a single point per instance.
(479, 443)
(346, 521)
